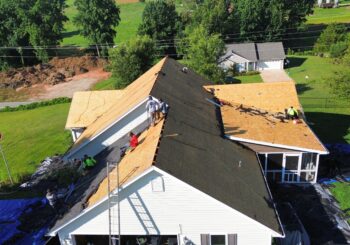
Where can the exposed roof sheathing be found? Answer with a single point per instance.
(255, 112)
(88, 106)
(132, 95)
(133, 163)
(273, 97)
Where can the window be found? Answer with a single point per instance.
(217, 240)
(262, 160)
(309, 161)
(274, 161)
(292, 162)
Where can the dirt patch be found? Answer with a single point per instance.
(80, 82)
(55, 72)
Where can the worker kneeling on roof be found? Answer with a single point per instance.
(133, 143)
(89, 162)
(292, 113)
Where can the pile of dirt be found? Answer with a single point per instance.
(56, 71)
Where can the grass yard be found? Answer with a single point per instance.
(330, 115)
(326, 16)
(342, 193)
(107, 84)
(130, 18)
(248, 79)
(32, 135)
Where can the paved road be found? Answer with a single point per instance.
(13, 104)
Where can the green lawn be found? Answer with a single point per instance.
(329, 114)
(130, 16)
(32, 135)
(107, 84)
(326, 16)
(342, 193)
(248, 79)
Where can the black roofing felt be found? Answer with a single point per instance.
(199, 156)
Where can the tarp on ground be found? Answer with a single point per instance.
(10, 212)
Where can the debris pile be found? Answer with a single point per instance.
(56, 71)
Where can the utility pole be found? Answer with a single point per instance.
(6, 164)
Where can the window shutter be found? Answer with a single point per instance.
(204, 239)
(232, 239)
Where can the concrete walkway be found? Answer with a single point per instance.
(271, 76)
(14, 104)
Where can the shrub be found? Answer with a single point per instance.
(35, 105)
(338, 49)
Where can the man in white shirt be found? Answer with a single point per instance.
(151, 108)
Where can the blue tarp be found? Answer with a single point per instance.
(10, 211)
(343, 148)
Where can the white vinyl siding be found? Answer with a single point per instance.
(178, 210)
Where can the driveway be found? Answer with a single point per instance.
(271, 76)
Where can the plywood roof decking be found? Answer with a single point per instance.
(133, 164)
(273, 97)
(88, 106)
(260, 128)
(132, 95)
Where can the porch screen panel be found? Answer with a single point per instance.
(274, 162)
(309, 161)
(232, 239)
(204, 239)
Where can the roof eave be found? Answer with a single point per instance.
(277, 145)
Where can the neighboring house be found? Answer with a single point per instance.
(184, 184)
(328, 3)
(254, 116)
(253, 56)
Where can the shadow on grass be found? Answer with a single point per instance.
(295, 61)
(330, 128)
(302, 87)
(70, 34)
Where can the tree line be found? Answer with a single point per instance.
(197, 34)
(29, 28)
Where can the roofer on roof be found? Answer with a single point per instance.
(133, 143)
(89, 162)
(151, 108)
(292, 113)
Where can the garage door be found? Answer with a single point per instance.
(270, 65)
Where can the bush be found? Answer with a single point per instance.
(338, 50)
(339, 84)
(248, 73)
(35, 105)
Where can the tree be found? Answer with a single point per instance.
(131, 59)
(214, 15)
(269, 19)
(34, 23)
(333, 34)
(202, 52)
(160, 21)
(339, 84)
(42, 22)
(97, 19)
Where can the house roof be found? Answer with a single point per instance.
(132, 95)
(245, 50)
(88, 106)
(190, 147)
(256, 51)
(254, 113)
(133, 163)
(270, 51)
